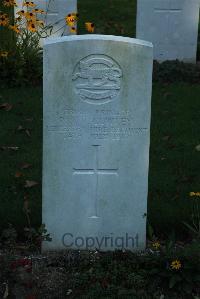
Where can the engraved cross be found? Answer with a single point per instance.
(96, 171)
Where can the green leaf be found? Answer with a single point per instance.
(187, 288)
(154, 271)
(197, 277)
(150, 231)
(173, 281)
(190, 227)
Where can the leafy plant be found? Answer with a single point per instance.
(21, 53)
(23, 66)
(194, 227)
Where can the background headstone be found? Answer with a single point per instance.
(172, 27)
(56, 10)
(97, 101)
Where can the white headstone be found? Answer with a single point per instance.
(172, 27)
(97, 102)
(56, 10)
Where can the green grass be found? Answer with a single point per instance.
(26, 112)
(174, 163)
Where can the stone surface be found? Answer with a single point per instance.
(56, 12)
(172, 27)
(97, 102)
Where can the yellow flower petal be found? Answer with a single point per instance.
(72, 29)
(29, 4)
(31, 26)
(192, 193)
(9, 3)
(156, 245)
(89, 26)
(15, 28)
(21, 13)
(70, 20)
(40, 23)
(4, 54)
(176, 265)
(4, 20)
(30, 16)
(37, 10)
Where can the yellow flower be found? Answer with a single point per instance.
(156, 245)
(21, 13)
(9, 3)
(72, 29)
(194, 194)
(31, 26)
(37, 10)
(176, 265)
(4, 20)
(70, 20)
(29, 4)
(4, 54)
(75, 15)
(89, 26)
(18, 19)
(30, 16)
(40, 23)
(15, 28)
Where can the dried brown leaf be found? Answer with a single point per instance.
(20, 128)
(171, 146)
(6, 293)
(25, 166)
(29, 119)
(167, 94)
(29, 184)
(28, 133)
(187, 179)
(198, 148)
(6, 106)
(13, 148)
(18, 174)
(26, 206)
(166, 138)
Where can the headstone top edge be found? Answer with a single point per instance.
(102, 37)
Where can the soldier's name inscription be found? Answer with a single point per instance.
(103, 124)
(99, 115)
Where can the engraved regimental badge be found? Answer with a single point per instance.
(97, 79)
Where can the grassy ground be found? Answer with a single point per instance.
(116, 17)
(174, 161)
(21, 127)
